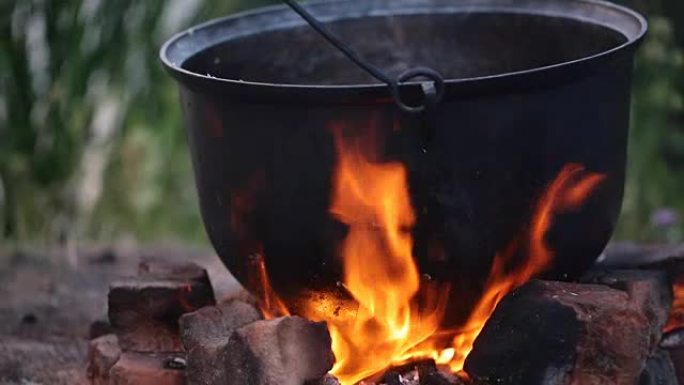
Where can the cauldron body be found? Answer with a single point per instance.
(532, 85)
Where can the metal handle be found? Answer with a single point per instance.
(433, 90)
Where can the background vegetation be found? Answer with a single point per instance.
(92, 148)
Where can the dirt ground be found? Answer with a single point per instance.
(49, 301)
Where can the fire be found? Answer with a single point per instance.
(379, 270)
(270, 304)
(676, 319)
(567, 192)
(395, 316)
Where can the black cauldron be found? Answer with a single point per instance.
(532, 85)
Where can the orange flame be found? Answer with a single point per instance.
(379, 271)
(270, 304)
(395, 317)
(676, 319)
(567, 192)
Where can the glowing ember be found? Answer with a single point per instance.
(385, 325)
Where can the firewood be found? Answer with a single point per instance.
(430, 375)
(392, 378)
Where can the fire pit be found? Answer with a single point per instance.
(328, 201)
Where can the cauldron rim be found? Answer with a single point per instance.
(173, 56)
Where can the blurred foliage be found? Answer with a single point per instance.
(91, 143)
(654, 194)
(92, 147)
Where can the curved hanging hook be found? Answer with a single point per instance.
(433, 90)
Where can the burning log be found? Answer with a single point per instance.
(630, 255)
(440, 378)
(430, 375)
(283, 351)
(421, 372)
(144, 310)
(205, 332)
(562, 333)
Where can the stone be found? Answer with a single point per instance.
(673, 339)
(281, 351)
(205, 331)
(649, 289)
(441, 378)
(659, 370)
(556, 333)
(211, 323)
(145, 369)
(677, 359)
(144, 310)
(99, 328)
(103, 353)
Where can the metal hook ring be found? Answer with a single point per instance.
(433, 90)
